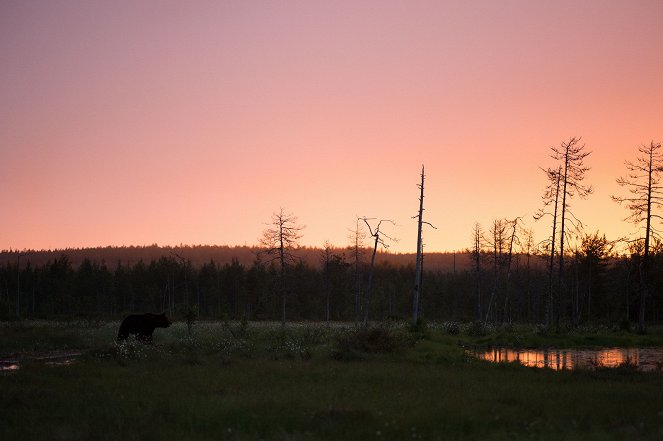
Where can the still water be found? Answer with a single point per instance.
(644, 359)
(52, 358)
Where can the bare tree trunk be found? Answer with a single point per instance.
(560, 283)
(644, 269)
(279, 241)
(357, 238)
(282, 277)
(498, 238)
(376, 234)
(369, 288)
(572, 156)
(529, 287)
(417, 277)
(327, 281)
(357, 289)
(549, 301)
(647, 197)
(421, 282)
(589, 296)
(577, 302)
(494, 288)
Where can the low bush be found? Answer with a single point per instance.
(476, 329)
(451, 328)
(366, 339)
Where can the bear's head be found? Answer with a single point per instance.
(162, 321)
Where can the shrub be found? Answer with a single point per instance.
(421, 326)
(507, 327)
(451, 328)
(130, 349)
(369, 340)
(476, 329)
(625, 325)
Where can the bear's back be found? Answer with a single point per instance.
(142, 325)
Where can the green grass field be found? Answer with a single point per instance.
(308, 381)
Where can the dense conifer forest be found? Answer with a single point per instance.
(239, 282)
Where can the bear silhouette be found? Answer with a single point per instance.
(142, 326)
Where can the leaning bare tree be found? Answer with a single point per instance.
(279, 241)
(643, 182)
(378, 237)
(419, 262)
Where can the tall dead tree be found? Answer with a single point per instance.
(570, 155)
(378, 237)
(644, 184)
(551, 197)
(279, 241)
(419, 263)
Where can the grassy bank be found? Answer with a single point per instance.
(236, 382)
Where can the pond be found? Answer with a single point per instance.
(51, 358)
(643, 359)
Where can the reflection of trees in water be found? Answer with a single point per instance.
(645, 359)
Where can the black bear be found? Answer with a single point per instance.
(142, 326)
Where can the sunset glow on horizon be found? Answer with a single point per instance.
(141, 122)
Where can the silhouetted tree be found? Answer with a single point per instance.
(571, 155)
(594, 249)
(513, 240)
(528, 248)
(327, 256)
(378, 237)
(497, 241)
(551, 197)
(420, 247)
(643, 182)
(477, 245)
(279, 241)
(357, 237)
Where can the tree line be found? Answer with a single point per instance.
(601, 288)
(571, 277)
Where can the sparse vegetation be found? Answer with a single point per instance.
(262, 381)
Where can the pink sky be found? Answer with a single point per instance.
(140, 122)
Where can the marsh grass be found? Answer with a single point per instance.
(214, 384)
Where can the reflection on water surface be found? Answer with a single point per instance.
(644, 359)
(55, 358)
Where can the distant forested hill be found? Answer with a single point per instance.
(221, 254)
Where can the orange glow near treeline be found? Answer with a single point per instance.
(135, 123)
